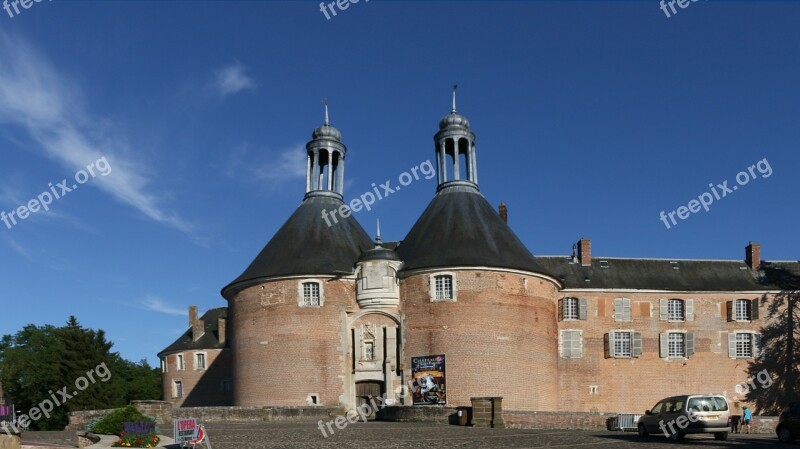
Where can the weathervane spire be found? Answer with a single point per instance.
(455, 86)
(327, 120)
(378, 238)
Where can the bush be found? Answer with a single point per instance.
(112, 424)
(90, 425)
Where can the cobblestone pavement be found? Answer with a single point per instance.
(414, 435)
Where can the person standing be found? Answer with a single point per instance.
(746, 416)
(736, 418)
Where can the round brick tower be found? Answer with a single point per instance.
(471, 290)
(287, 310)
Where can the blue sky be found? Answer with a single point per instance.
(591, 118)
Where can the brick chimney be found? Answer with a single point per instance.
(585, 252)
(192, 315)
(221, 330)
(504, 212)
(752, 255)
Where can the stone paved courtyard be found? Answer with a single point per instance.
(414, 435)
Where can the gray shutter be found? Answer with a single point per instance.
(732, 345)
(608, 340)
(626, 309)
(757, 349)
(562, 344)
(689, 344)
(617, 309)
(754, 309)
(689, 303)
(663, 343)
(663, 310)
(579, 339)
(636, 351)
(561, 309)
(582, 308)
(729, 310)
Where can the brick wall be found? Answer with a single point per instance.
(200, 386)
(635, 384)
(499, 336)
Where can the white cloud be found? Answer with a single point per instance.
(232, 79)
(157, 305)
(35, 97)
(19, 249)
(275, 166)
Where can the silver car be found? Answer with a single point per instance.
(677, 416)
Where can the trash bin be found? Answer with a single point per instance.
(463, 417)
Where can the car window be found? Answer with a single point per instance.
(657, 408)
(708, 404)
(678, 406)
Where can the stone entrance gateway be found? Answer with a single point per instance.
(374, 352)
(368, 393)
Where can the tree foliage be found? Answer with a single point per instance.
(38, 362)
(780, 340)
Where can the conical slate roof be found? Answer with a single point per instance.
(307, 245)
(460, 228)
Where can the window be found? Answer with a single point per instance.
(623, 344)
(571, 344)
(179, 362)
(200, 360)
(177, 389)
(572, 309)
(742, 310)
(622, 309)
(226, 386)
(676, 344)
(744, 345)
(676, 310)
(444, 287)
(311, 294)
(164, 365)
(369, 350)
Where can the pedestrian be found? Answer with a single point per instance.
(736, 418)
(746, 418)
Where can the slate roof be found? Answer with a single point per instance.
(666, 274)
(461, 228)
(209, 340)
(306, 245)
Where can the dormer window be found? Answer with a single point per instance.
(443, 287)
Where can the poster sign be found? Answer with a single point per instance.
(429, 380)
(185, 430)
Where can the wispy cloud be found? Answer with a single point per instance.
(232, 79)
(275, 166)
(19, 249)
(155, 304)
(38, 99)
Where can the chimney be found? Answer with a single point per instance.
(585, 252)
(192, 315)
(752, 255)
(504, 212)
(198, 329)
(221, 330)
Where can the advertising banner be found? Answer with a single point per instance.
(185, 430)
(428, 374)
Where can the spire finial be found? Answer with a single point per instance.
(455, 86)
(327, 120)
(378, 238)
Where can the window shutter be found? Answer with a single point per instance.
(582, 309)
(636, 351)
(732, 345)
(689, 303)
(561, 343)
(754, 309)
(729, 305)
(617, 309)
(757, 345)
(626, 309)
(663, 340)
(663, 314)
(609, 344)
(579, 338)
(561, 309)
(689, 344)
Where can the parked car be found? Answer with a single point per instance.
(788, 428)
(677, 416)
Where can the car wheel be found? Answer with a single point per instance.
(642, 431)
(721, 436)
(784, 435)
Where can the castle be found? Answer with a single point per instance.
(324, 315)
